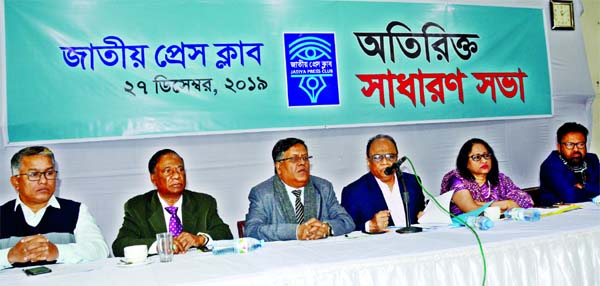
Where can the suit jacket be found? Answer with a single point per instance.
(144, 218)
(271, 215)
(363, 199)
(557, 182)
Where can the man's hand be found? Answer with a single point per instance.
(186, 240)
(380, 221)
(32, 249)
(312, 229)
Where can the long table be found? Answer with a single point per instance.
(557, 250)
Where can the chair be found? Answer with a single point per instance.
(534, 192)
(240, 226)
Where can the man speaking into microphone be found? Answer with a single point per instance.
(374, 201)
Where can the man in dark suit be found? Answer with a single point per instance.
(167, 207)
(292, 204)
(374, 200)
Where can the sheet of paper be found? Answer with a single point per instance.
(433, 215)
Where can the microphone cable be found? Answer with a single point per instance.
(432, 198)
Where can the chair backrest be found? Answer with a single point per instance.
(240, 226)
(534, 192)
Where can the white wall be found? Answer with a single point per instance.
(590, 27)
(105, 174)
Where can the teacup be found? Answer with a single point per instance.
(492, 213)
(135, 253)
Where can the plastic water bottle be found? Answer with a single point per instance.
(480, 222)
(238, 246)
(523, 214)
(596, 200)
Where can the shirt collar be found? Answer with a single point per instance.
(383, 186)
(165, 204)
(290, 189)
(53, 202)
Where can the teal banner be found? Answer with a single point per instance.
(96, 70)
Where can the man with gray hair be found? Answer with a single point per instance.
(37, 227)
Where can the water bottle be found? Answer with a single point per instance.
(238, 246)
(480, 222)
(523, 214)
(596, 200)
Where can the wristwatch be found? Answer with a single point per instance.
(330, 233)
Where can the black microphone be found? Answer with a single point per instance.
(395, 166)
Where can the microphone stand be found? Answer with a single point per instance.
(405, 198)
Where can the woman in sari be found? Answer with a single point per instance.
(477, 180)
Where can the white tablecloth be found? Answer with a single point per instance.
(558, 250)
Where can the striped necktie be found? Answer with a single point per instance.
(299, 207)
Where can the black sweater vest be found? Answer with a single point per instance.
(63, 220)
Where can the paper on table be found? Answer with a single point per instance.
(433, 215)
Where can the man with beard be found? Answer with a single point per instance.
(570, 174)
(292, 204)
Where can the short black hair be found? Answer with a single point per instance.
(568, 128)
(463, 159)
(154, 159)
(283, 145)
(380, 136)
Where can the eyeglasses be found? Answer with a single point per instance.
(297, 159)
(477, 157)
(571, 145)
(388, 156)
(36, 176)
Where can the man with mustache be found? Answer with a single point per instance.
(292, 204)
(570, 174)
(191, 217)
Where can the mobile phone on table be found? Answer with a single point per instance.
(37, 270)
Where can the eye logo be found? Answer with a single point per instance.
(311, 67)
(310, 49)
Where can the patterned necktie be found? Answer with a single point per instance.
(299, 207)
(175, 226)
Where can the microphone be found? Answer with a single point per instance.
(394, 167)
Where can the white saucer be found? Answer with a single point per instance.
(123, 263)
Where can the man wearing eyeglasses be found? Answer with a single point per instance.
(191, 217)
(292, 204)
(37, 227)
(570, 174)
(374, 200)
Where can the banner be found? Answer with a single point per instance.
(95, 70)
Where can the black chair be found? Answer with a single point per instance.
(534, 192)
(240, 226)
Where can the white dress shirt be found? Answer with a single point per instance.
(292, 197)
(393, 200)
(89, 243)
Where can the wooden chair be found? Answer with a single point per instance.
(240, 226)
